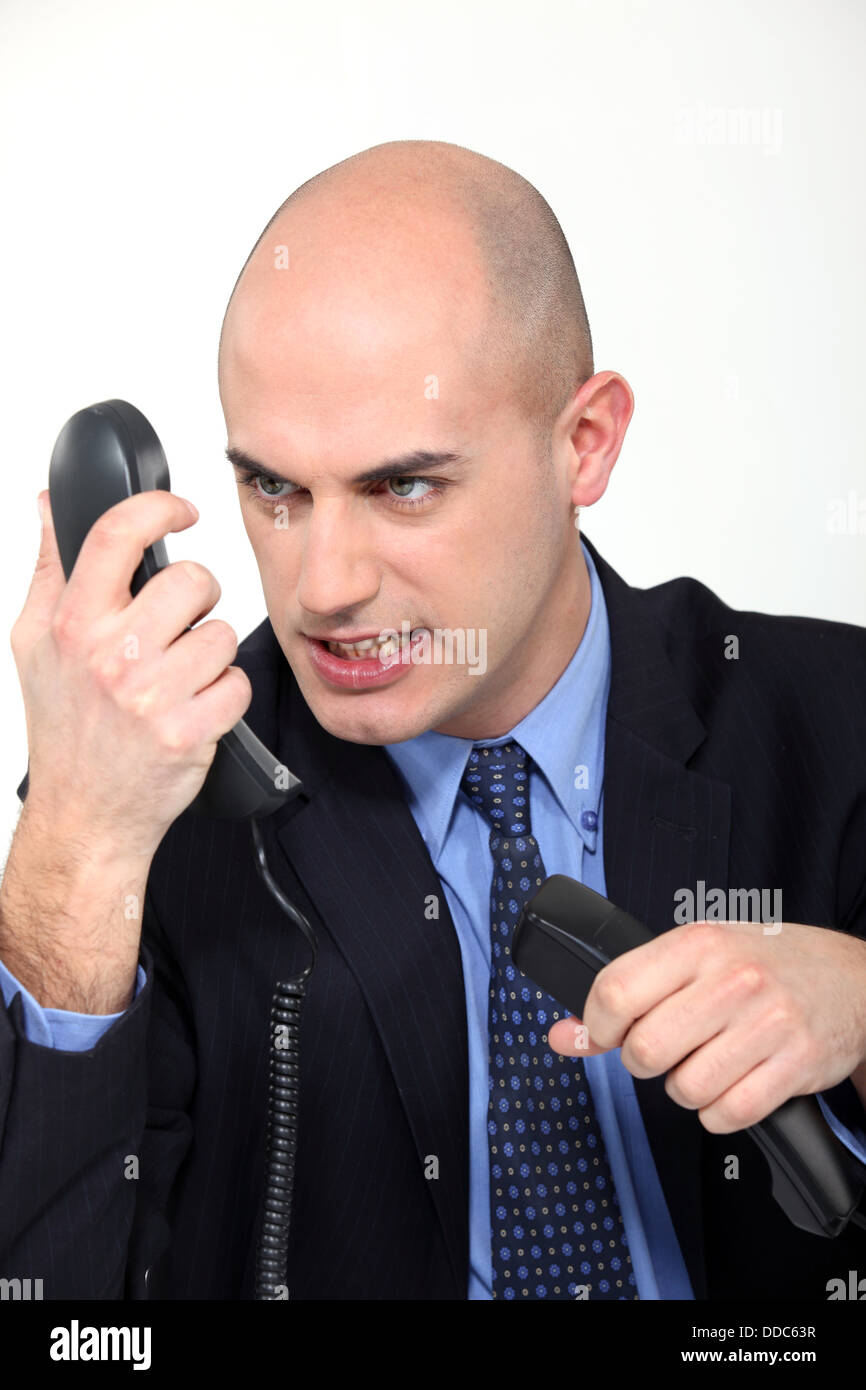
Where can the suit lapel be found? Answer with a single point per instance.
(665, 827)
(355, 846)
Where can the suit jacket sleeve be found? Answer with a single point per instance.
(91, 1142)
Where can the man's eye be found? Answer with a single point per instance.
(271, 486)
(263, 488)
(402, 487)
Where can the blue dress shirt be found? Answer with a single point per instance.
(564, 735)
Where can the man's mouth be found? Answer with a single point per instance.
(385, 648)
(369, 662)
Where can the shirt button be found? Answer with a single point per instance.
(589, 820)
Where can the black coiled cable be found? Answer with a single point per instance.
(283, 1093)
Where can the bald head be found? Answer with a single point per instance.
(464, 227)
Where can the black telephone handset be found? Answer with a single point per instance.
(104, 453)
(567, 933)
(107, 452)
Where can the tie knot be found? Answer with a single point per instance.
(496, 780)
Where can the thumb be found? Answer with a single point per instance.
(570, 1037)
(48, 580)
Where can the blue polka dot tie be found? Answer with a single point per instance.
(556, 1227)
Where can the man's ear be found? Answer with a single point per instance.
(591, 430)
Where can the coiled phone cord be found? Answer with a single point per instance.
(283, 1092)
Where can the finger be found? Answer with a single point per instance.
(751, 1099)
(670, 1032)
(570, 1037)
(170, 602)
(710, 1071)
(197, 659)
(632, 984)
(222, 703)
(113, 548)
(48, 580)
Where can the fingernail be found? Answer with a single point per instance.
(41, 505)
(192, 508)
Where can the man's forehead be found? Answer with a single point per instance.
(288, 432)
(358, 270)
(320, 339)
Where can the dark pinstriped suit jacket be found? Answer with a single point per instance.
(744, 773)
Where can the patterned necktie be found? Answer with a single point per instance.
(556, 1226)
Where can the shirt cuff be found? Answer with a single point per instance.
(847, 1118)
(60, 1028)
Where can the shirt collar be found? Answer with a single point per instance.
(563, 734)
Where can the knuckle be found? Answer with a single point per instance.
(105, 668)
(738, 1110)
(64, 628)
(141, 702)
(243, 691)
(779, 1017)
(609, 991)
(109, 530)
(176, 740)
(706, 936)
(243, 694)
(241, 680)
(748, 979)
(196, 576)
(220, 633)
(644, 1047)
(691, 1091)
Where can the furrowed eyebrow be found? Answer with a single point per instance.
(421, 461)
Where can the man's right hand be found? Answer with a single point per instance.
(124, 708)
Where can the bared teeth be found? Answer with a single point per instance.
(374, 646)
(370, 646)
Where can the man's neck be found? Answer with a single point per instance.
(545, 654)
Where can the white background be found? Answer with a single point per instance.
(705, 161)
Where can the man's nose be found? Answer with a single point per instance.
(339, 568)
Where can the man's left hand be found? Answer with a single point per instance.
(739, 1016)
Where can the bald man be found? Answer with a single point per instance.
(473, 700)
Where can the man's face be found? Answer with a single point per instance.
(329, 371)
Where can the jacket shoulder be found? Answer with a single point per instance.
(771, 684)
(692, 618)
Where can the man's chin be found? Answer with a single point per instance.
(366, 727)
(373, 717)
